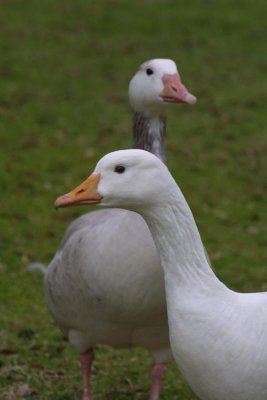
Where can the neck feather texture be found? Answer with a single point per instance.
(148, 133)
(178, 241)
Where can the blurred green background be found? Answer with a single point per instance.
(64, 73)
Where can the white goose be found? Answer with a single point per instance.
(218, 336)
(104, 284)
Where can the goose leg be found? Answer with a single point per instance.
(86, 360)
(158, 373)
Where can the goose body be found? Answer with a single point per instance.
(98, 285)
(119, 313)
(218, 336)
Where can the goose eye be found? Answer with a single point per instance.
(149, 71)
(119, 169)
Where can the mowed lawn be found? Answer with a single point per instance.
(64, 72)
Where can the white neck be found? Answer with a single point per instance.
(178, 241)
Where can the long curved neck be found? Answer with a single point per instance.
(181, 250)
(149, 132)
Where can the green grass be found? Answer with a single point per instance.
(64, 71)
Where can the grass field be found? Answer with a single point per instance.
(64, 72)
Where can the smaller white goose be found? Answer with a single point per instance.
(218, 336)
(117, 305)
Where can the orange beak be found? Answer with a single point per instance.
(174, 91)
(85, 193)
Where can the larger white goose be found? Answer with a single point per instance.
(105, 284)
(218, 336)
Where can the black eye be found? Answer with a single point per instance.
(119, 169)
(149, 71)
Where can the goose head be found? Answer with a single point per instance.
(131, 179)
(155, 84)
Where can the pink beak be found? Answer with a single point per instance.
(174, 91)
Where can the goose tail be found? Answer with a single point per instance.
(36, 266)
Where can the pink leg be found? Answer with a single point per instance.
(158, 373)
(86, 360)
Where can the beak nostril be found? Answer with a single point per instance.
(80, 191)
(174, 88)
